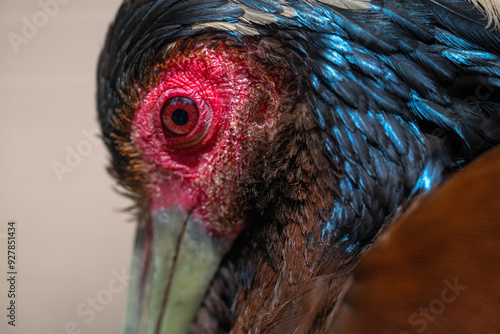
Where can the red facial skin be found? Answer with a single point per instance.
(200, 172)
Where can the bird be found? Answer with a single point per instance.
(307, 166)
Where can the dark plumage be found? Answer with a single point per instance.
(368, 106)
(435, 270)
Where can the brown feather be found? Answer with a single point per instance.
(437, 269)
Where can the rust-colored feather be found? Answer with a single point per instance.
(437, 269)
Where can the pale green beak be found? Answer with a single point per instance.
(171, 275)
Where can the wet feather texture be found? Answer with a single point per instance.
(350, 112)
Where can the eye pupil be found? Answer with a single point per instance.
(180, 117)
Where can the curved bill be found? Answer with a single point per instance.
(172, 267)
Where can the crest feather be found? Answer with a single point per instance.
(490, 8)
(348, 4)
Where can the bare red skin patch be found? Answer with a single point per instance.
(201, 171)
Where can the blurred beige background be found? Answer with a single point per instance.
(73, 243)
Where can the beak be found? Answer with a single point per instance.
(173, 264)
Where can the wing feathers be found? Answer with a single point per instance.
(437, 269)
(491, 8)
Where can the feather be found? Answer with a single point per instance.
(257, 17)
(462, 9)
(348, 4)
(491, 8)
(240, 28)
(269, 6)
(436, 270)
(465, 20)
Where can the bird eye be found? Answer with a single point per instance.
(179, 116)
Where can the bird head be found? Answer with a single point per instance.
(195, 139)
(200, 126)
(205, 138)
(284, 132)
